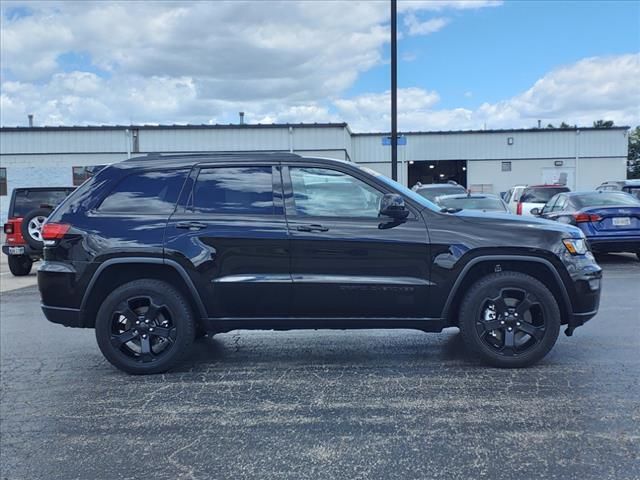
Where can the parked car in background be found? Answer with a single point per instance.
(28, 209)
(536, 196)
(512, 197)
(154, 249)
(434, 190)
(487, 202)
(609, 219)
(628, 186)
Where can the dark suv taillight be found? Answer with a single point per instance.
(54, 231)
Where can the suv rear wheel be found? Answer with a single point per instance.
(20, 265)
(509, 319)
(145, 326)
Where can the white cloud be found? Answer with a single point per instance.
(438, 5)
(179, 62)
(416, 27)
(591, 89)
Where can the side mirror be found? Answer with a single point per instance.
(536, 212)
(392, 205)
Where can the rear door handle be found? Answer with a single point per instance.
(312, 228)
(191, 225)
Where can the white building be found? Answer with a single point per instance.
(488, 160)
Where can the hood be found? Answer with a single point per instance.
(498, 220)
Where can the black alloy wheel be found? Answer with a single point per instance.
(509, 319)
(512, 322)
(145, 326)
(142, 327)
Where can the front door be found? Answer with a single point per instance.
(345, 260)
(231, 232)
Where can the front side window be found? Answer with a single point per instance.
(146, 193)
(328, 193)
(240, 190)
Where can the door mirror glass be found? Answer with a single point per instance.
(535, 211)
(392, 205)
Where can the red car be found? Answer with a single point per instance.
(28, 209)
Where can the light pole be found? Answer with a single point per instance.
(394, 90)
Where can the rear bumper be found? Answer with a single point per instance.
(614, 243)
(69, 317)
(26, 250)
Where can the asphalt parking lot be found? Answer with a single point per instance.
(303, 404)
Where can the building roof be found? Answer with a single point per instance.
(216, 126)
(498, 130)
(64, 128)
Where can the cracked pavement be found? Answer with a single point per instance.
(329, 404)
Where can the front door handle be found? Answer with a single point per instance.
(314, 227)
(191, 225)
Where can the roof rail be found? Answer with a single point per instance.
(163, 155)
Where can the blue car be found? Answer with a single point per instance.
(609, 220)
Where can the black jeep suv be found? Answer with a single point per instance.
(155, 250)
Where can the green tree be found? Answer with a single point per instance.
(603, 124)
(633, 158)
(564, 125)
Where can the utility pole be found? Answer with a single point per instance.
(394, 90)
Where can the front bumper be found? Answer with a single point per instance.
(614, 243)
(587, 288)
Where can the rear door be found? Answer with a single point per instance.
(230, 233)
(345, 260)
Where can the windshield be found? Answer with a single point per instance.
(472, 203)
(433, 193)
(401, 189)
(541, 194)
(604, 199)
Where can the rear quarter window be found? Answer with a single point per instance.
(151, 192)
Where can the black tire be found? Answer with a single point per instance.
(170, 329)
(500, 300)
(34, 216)
(20, 265)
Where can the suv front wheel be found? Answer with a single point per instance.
(145, 326)
(509, 319)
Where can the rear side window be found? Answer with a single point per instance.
(146, 193)
(604, 199)
(541, 195)
(28, 200)
(243, 189)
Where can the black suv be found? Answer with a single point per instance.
(154, 251)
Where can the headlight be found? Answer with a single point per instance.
(576, 246)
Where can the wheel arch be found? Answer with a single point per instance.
(115, 272)
(539, 268)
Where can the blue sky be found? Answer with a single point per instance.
(498, 52)
(464, 64)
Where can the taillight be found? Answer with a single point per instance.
(8, 228)
(519, 208)
(586, 217)
(54, 231)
